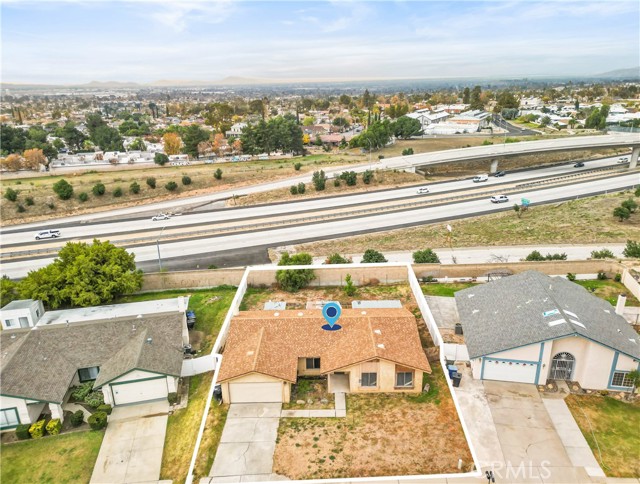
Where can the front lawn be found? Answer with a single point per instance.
(614, 425)
(210, 306)
(66, 458)
(609, 290)
(447, 290)
(383, 435)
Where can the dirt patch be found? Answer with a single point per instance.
(382, 435)
(313, 391)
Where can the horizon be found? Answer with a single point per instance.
(74, 42)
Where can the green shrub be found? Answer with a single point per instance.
(29, 201)
(106, 408)
(602, 254)
(617, 277)
(94, 399)
(536, 256)
(632, 249)
(349, 288)
(11, 194)
(407, 151)
(602, 276)
(297, 166)
(336, 182)
(301, 188)
(134, 188)
(117, 192)
(336, 258)
(637, 192)
(54, 426)
(293, 189)
(171, 186)
(97, 421)
(37, 429)
(367, 177)
(151, 182)
(20, 208)
(371, 255)
(22, 431)
(160, 159)
(630, 205)
(294, 280)
(51, 205)
(571, 276)
(218, 174)
(83, 197)
(80, 392)
(427, 256)
(63, 189)
(173, 398)
(350, 177)
(99, 189)
(77, 418)
(186, 180)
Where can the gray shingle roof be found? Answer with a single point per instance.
(41, 363)
(531, 307)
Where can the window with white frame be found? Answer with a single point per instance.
(87, 374)
(9, 418)
(313, 363)
(9, 323)
(621, 379)
(369, 379)
(404, 379)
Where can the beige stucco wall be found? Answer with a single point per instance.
(303, 371)
(255, 378)
(528, 353)
(626, 363)
(386, 377)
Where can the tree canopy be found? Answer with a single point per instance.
(279, 133)
(83, 275)
(295, 279)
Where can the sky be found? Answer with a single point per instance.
(77, 41)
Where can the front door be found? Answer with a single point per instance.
(562, 366)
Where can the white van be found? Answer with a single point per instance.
(423, 190)
(480, 178)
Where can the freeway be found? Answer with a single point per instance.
(127, 228)
(182, 252)
(490, 152)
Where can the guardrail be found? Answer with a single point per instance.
(301, 220)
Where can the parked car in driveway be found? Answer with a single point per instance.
(160, 216)
(499, 199)
(48, 234)
(480, 178)
(578, 165)
(422, 190)
(500, 173)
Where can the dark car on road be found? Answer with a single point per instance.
(578, 165)
(500, 173)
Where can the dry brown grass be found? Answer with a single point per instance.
(585, 221)
(382, 435)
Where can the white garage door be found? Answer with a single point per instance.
(255, 392)
(140, 391)
(509, 371)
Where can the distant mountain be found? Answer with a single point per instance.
(109, 84)
(631, 73)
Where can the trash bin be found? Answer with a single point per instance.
(458, 328)
(452, 369)
(456, 379)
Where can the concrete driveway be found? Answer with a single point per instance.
(248, 441)
(132, 447)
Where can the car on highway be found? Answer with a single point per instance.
(160, 216)
(499, 173)
(48, 234)
(422, 190)
(499, 199)
(578, 165)
(623, 159)
(480, 178)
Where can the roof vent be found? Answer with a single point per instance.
(633, 341)
(133, 327)
(381, 346)
(475, 311)
(470, 296)
(149, 340)
(276, 314)
(249, 353)
(139, 316)
(301, 314)
(13, 336)
(363, 313)
(377, 331)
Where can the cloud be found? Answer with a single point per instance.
(179, 14)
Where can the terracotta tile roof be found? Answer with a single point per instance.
(270, 342)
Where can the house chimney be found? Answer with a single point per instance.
(622, 300)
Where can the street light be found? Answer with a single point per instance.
(158, 247)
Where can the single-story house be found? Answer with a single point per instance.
(131, 359)
(376, 350)
(531, 328)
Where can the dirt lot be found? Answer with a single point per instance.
(585, 221)
(382, 435)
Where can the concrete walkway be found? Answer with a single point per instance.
(74, 407)
(574, 442)
(248, 441)
(131, 451)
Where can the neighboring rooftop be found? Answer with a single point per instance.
(19, 304)
(532, 307)
(382, 303)
(271, 342)
(113, 311)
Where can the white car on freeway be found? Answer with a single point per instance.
(160, 216)
(499, 199)
(48, 234)
(422, 190)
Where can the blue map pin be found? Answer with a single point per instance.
(331, 312)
